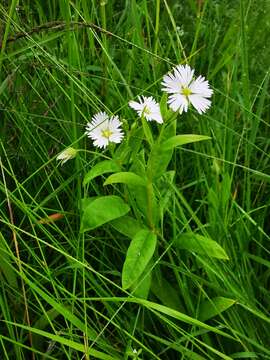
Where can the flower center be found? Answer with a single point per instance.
(146, 110)
(106, 133)
(186, 91)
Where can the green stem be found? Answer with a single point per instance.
(157, 25)
(105, 44)
(150, 193)
(147, 131)
(171, 120)
(9, 19)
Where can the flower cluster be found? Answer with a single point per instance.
(183, 89)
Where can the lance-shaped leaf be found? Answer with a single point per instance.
(179, 140)
(159, 160)
(201, 245)
(127, 225)
(140, 252)
(128, 178)
(141, 287)
(103, 210)
(213, 307)
(101, 168)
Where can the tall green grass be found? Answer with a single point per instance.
(61, 295)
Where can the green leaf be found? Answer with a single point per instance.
(213, 307)
(178, 315)
(140, 252)
(8, 80)
(6, 264)
(135, 140)
(159, 159)
(226, 190)
(138, 164)
(158, 162)
(69, 343)
(122, 153)
(127, 226)
(163, 105)
(165, 292)
(259, 259)
(87, 201)
(170, 127)
(103, 210)
(43, 322)
(179, 140)
(101, 168)
(244, 355)
(128, 178)
(141, 287)
(144, 200)
(62, 309)
(201, 245)
(259, 175)
(147, 131)
(164, 185)
(172, 313)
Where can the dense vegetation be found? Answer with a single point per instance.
(61, 292)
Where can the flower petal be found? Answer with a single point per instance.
(135, 105)
(200, 103)
(201, 87)
(185, 74)
(178, 102)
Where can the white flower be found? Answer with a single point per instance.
(184, 89)
(66, 155)
(147, 107)
(104, 129)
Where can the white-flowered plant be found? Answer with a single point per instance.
(135, 208)
(184, 90)
(148, 108)
(66, 155)
(104, 130)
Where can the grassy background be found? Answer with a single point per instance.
(56, 70)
